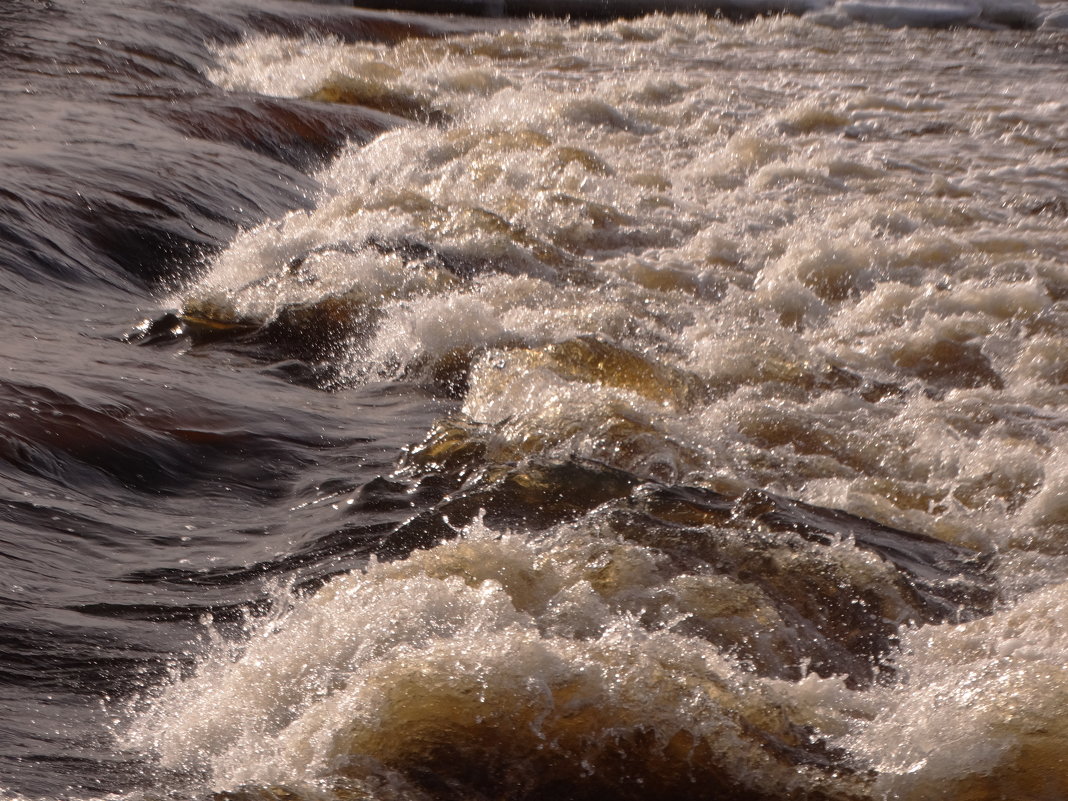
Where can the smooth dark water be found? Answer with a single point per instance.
(615, 338)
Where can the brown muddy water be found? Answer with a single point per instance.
(413, 407)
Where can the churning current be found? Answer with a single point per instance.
(663, 408)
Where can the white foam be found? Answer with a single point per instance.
(429, 328)
(836, 285)
(981, 711)
(666, 211)
(490, 634)
(1049, 506)
(769, 234)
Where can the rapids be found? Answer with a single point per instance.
(667, 407)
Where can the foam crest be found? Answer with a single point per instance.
(498, 662)
(980, 714)
(1049, 506)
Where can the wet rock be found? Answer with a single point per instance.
(312, 332)
(455, 448)
(930, 563)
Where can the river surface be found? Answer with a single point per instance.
(432, 408)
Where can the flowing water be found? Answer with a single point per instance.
(403, 407)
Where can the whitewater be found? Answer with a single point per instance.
(661, 407)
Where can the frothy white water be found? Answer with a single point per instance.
(843, 278)
(701, 212)
(981, 715)
(508, 657)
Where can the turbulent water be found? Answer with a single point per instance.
(413, 407)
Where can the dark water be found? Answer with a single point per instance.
(142, 489)
(179, 476)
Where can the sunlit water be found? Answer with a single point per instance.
(506, 465)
